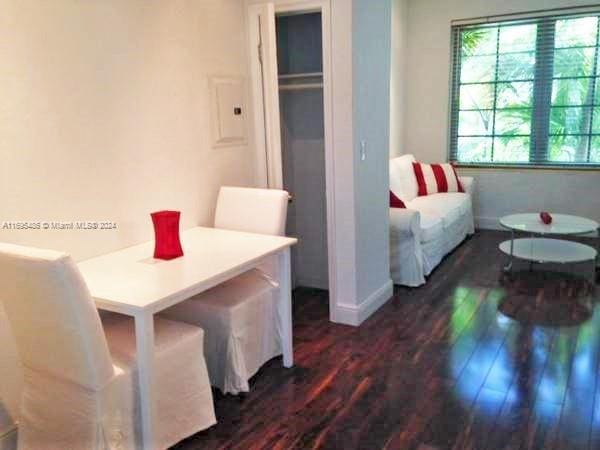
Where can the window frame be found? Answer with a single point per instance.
(541, 101)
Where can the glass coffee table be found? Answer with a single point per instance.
(538, 248)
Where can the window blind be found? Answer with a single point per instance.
(526, 92)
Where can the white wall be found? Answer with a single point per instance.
(104, 115)
(426, 116)
(371, 40)
(398, 75)
(343, 141)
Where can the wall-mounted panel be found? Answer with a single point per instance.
(228, 116)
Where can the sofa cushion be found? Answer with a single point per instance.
(402, 177)
(449, 206)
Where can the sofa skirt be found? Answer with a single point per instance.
(411, 261)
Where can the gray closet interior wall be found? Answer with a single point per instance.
(299, 44)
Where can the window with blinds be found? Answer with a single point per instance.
(527, 92)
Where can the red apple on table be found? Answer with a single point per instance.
(546, 217)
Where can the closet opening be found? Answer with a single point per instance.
(299, 40)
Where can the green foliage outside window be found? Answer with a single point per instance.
(527, 93)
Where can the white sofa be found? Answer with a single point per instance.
(429, 228)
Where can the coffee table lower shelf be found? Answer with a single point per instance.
(545, 250)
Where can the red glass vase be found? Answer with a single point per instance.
(166, 235)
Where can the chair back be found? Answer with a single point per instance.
(54, 321)
(260, 211)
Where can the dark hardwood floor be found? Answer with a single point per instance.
(471, 360)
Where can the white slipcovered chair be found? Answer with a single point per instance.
(240, 316)
(80, 384)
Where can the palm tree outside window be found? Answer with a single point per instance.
(527, 92)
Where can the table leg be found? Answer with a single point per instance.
(532, 236)
(509, 266)
(285, 306)
(598, 251)
(144, 335)
(596, 273)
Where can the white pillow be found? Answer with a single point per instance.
(403, 182)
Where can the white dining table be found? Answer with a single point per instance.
(131, 282)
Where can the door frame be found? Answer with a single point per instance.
(274, 152)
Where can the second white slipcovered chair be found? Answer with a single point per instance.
(240, 316)
(80, 385)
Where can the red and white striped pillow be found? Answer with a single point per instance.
(436, 178)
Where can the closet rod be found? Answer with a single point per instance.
(299, 87)
(291, 76)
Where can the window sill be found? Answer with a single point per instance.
(522, 167)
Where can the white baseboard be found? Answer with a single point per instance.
(8, 441)
(355, 315)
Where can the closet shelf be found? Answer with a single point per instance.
(301, 87)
